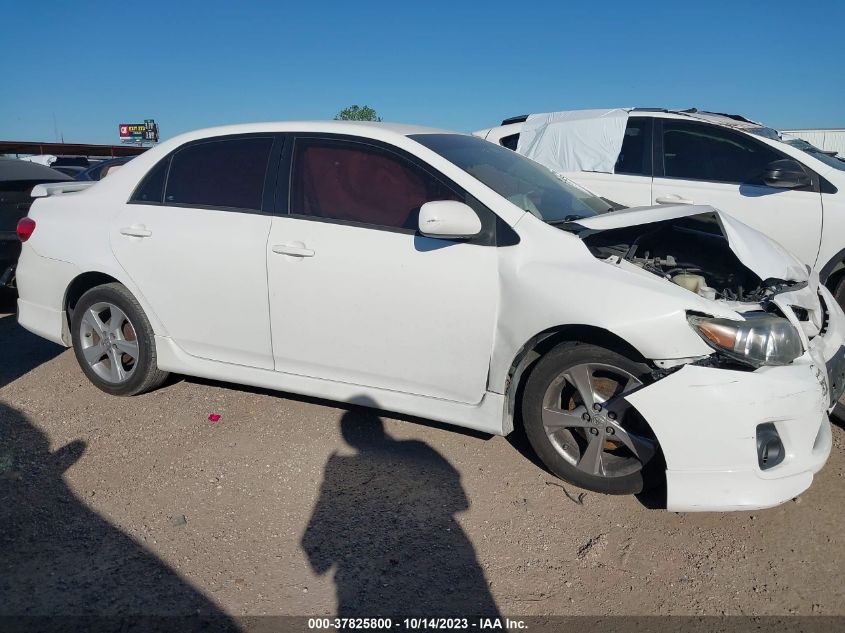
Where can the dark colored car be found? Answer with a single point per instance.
(17, 178)
(69, 170)
(71, 165)
(98, 170)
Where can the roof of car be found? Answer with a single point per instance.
(359, 128)
(719, 118)
(391, 133)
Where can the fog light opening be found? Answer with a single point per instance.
(770, 450)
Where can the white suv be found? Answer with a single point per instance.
(782, 186)
(438, 275)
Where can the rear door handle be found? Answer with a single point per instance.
(673, 199)
(136, 230)
(296, 249)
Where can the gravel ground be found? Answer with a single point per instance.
(289, 505)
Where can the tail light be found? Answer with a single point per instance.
(25, 229)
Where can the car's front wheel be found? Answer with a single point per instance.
(114, 341)
(838, 291)
(579, 423)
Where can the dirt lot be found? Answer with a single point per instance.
(296, 506)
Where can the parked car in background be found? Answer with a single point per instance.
(438, 275)
(790, 190)
(68, 165)
(17, 178)
(100, 170)
(69, 170)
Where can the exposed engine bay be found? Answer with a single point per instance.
(691, 252)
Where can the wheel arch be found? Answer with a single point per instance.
(541, 343)
(81, 284)
(78, 286)
(93, 277)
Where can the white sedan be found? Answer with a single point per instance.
(439, 275)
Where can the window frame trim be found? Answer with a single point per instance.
(268, 187)
(489, 219)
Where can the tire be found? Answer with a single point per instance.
(610, 449)
(114, 343)
(839, 291)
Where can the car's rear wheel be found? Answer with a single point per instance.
(579, 423)
(114, 342)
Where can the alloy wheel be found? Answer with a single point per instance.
(591, 425)
(109, 342)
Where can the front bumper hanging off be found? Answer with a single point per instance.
(744, 440)
(706, 420)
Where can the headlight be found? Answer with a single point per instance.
(757, 341)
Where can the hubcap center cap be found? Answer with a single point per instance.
(602, 419)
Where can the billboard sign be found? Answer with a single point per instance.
(139, 132)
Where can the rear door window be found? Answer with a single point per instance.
(151, 189)
(635, 156)
(227, 173)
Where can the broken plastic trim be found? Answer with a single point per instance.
(717, 360)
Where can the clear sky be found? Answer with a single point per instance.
(80, 68)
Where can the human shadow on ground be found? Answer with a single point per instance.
(59, 558)
(358, 401)
(385, 523)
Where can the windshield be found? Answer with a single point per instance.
(520, 180)
(827, 158)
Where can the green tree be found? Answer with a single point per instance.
(357, 113)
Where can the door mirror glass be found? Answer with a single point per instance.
(786, 173)
(449, 220)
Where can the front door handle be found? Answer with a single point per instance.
(673, 199)
(136, 230)
(297, 249)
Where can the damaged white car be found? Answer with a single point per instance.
(438, 275)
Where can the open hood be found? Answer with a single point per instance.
(758, 253)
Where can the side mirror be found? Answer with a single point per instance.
(786, 173)
(448, 219)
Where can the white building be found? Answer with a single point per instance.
(827, 139)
